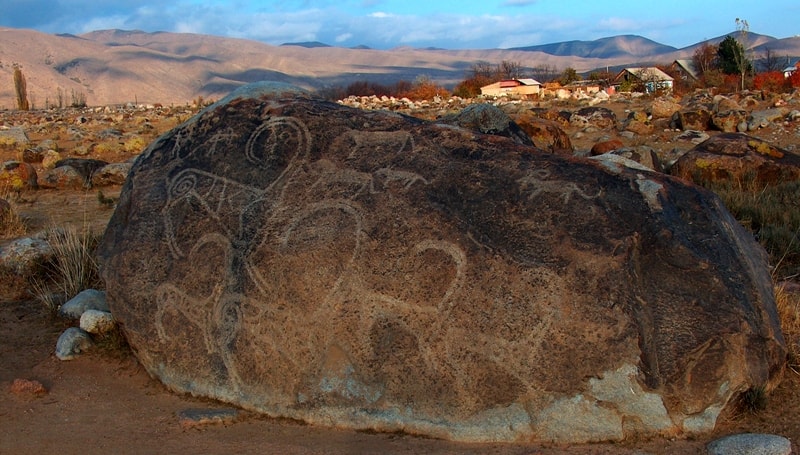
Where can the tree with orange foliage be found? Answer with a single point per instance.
(424, 89)
(773, 81)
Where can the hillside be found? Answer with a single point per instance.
(631, 46)
(117, 66)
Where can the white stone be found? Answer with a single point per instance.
(97, 322)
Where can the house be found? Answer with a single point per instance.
(649, 78)
(789, 70)
(686, 70)
(518, 87)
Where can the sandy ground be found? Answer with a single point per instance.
(104, 402)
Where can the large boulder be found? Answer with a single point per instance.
(546, 134)
(488, 119)
(363, 269)
(737, 158)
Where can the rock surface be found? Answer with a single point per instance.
(89, 299)
(97, 322)
(72, 343)
(366, 270)
(739, 158)
(750, 444)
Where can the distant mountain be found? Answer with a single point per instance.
(754, 40)
(632, 46)
(308, 44)
(121, 66)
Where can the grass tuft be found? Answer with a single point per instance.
(788, 305)
(12, 225)
(71, 269)
(771, 213)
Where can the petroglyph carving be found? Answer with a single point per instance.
(277, 142)
(405, 178)
(538, 181)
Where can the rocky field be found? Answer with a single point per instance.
(64, 168)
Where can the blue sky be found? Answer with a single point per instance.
(385, 24)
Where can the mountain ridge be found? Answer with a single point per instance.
(119, 66)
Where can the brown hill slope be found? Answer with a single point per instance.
(116, 66)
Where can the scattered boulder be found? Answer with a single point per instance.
(13, 136)
(89, 299)
(638, 122)
(546, 134)
(72, 343)
(642, 154)
(32, 155)
(730, 121)
(737, 157)
(24, 256)
(693, 136)
(750, 444)
(84, 166)
(19, 176)
(97, 322)
(111, 174)
(361, 269)
(698, 118)
(763, 118)
(599, 117)
(50, 158)
(488, 119)
(664, 108)
(606, 146)
(63, 177)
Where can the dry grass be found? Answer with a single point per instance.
(11, 224)
(788, 304)
(71, 269)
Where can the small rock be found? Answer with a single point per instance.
(628, 134)
(606, 146)
(90, 299)
(190, 418)
(693, 136)
(14, 135)
(97, 322)
(50, 158)
(111, 174)
(27, 388)
(23, 256)
(750, 444)
(73, 342)
(63, 177)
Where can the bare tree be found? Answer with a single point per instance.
(705, 58)
(509, 70)
(483, 70)
(769, 61)
(21, 89)
(544, 73)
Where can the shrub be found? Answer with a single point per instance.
(424, 89)
(773, 81)
(105, 147)
(134, 145)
